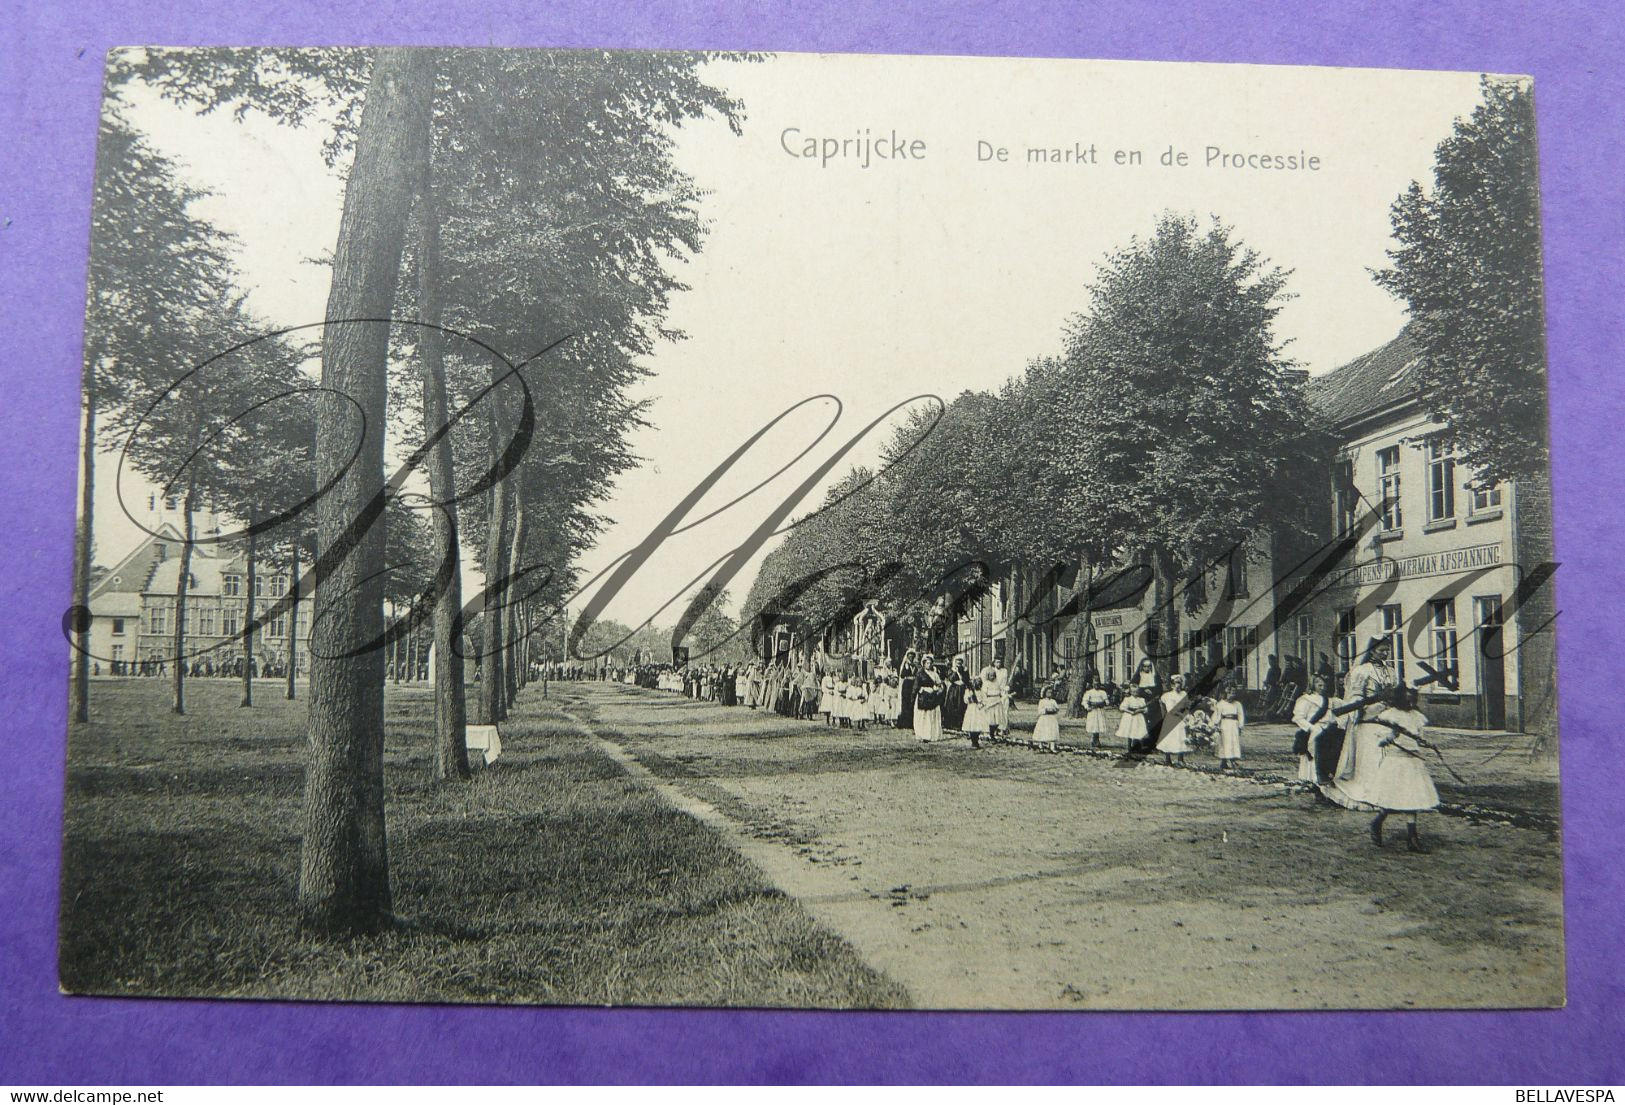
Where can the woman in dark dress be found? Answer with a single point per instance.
(909, 672)
(953, 696)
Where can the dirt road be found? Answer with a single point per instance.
(1005, 878)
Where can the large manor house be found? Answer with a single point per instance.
(132, 604)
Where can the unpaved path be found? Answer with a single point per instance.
(1006, 878)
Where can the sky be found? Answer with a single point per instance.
(875, 285)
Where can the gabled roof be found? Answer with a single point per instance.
(1381, 379)
(206, 571)
(132, 573)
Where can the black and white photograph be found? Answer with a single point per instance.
(840, 531)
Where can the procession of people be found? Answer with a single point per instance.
(1362, 751)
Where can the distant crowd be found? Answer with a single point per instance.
(1365, 750)
(202, 666)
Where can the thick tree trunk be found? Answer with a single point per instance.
(343, 865)
(250, 612)
(512, 657)
(1164, 651)
(182, 578)
(79, 688)
(293, 616)
(493, 668)
(450, 703)
(1083, 644)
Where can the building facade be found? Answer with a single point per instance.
(1438, 564)
(132, 605)
(1452, 575)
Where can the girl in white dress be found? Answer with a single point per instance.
(826, 697)
(1402, 782)
(857, 701)
(997, 702)
(1047, 729)
(976, 715)
(991, 697)
(1231, 718)
(842, 718)
(1370, 682)
(1132, 726)
(928, 703)
(1175, 740)
(1095, 701)
(1312, 715)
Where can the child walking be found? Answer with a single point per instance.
(1047, 729)
(1132, 726)
(1095, 701)
(1175, 740)
(1403, 783)
(977, 717)
(1231, 718)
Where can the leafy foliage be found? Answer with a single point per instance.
(1467, 262)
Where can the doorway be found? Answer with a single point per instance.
(1492, 676)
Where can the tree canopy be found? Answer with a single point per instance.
(1466, 260)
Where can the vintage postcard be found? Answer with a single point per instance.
(592, 527)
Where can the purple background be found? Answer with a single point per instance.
(50, 76)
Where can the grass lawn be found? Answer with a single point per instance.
(551, 878)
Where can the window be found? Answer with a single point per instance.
(118, 627)
(1441, 482)
(230, 624)
(1393, 624)
(259, 587)
(1346, 639)
(1388, 485)
(1487, 500)
(158, 619)
(1195, 649)
(303, 621)
(118, 654)
(1240, 643)
(1108, 658)
(279, 586)
(172, 503)
(1128, 656)
(1235, 581)
(1348, 497)
(1442, 623)
(278, 629)
(208, 621)
(1304, 645)
(231, 585)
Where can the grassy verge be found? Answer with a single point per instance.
(551, 878)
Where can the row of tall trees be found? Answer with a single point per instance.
(1171, 429)
(180, 380)
(505, 260)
